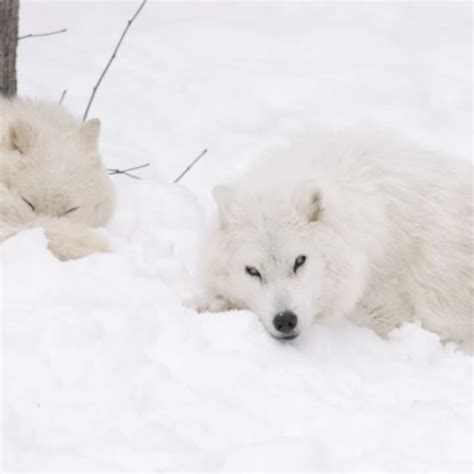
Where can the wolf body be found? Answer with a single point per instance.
(348, 224)
(51, 176)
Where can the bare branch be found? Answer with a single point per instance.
(104, 72)
(126, 171)
(37, 35)
(190, 166)
(62, 96)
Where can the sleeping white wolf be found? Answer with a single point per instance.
(346, 224)
(51, 176)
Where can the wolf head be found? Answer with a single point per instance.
(277, 253)
(54, 166)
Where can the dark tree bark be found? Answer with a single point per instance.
(8, 43)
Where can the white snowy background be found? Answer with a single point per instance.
(104, 368)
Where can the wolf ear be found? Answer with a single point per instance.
(21, 137)
(90, 131)
(307, 200)
(224, 196)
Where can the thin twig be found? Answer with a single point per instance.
(203, 152)
(104, 72)
(37, 35)
(126, 171)
(62, 96)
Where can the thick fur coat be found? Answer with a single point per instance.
(51, 176)
(350, 225)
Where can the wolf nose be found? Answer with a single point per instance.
(285, 322)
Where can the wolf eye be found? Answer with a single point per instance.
(29, 203)
(252, 271)
(71, 210)
(298, 262)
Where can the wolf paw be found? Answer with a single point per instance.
(80, 244)
(211, 304)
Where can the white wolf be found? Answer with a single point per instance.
(51, 176)
(346, 224)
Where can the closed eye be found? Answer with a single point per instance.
(71, 210)
(252, 271)
(299, 262)
(29, 203)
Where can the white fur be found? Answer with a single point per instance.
(50, 159)
(386, 228)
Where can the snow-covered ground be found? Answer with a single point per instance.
(104, 368)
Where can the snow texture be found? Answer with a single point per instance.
(104, 367)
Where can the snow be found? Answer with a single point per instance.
(104, 367)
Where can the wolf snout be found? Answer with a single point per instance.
(285, 322)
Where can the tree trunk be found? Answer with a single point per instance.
(8, 42)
